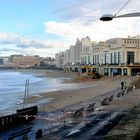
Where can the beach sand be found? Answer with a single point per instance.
(68, 97)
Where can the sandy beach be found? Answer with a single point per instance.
(68, 97)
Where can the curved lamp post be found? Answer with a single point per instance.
(108, 17)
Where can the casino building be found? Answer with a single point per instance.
(117, 56)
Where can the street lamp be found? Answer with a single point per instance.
(108, 17)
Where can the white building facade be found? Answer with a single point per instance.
(114, 56)
(59, 59)
(86, 47)
(117, 56)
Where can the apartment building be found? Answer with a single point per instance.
(71, 56)
(86, 47)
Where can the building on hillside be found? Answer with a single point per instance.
(47, 61)
(25, 61)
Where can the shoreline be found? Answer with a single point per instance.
(82, 91)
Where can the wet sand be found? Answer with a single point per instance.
(68, 97)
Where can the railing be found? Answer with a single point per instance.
(20, 117)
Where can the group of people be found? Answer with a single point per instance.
(123, 85)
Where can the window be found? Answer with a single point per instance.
(111, 58)
(93, 60)
(130, 57)
(115, 58)
(82, 60)
(119, 57)
(88, 59)
(106, 58)
(85, 60)
(97, 58)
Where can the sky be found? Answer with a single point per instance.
(46, 27)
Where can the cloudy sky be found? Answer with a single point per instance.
(45, 27)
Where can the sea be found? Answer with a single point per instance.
(12, 88)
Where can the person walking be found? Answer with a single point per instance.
(125, 85)
(122, 85)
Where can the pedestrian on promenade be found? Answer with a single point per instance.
(122, 85)
(125, 85)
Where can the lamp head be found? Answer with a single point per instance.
(106, 17)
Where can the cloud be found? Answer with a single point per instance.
(16, 44)
(91, 10)
(8, 38)
(81, 10)
(82, 19)
(8, 49)
(77, 19)
(96, 30)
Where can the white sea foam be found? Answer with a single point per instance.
(38, 96)
(19, 102)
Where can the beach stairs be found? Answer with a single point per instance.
(123, 92)
(107, 100)
(90, 108)
(110, 98)
(80, 111)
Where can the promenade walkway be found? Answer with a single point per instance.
(119, 105)
(129, 127)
